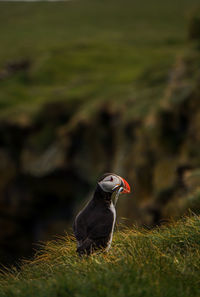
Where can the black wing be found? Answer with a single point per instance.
(93, 231)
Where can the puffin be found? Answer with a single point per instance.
(94, 225)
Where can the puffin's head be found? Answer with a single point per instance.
(111, 182)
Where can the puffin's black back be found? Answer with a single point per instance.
(94, 224)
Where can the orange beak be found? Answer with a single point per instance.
(126, 186)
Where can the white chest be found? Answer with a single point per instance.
(112, 208)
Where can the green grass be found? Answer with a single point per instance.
(162, 262)
(90, 51)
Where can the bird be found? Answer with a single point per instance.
(94, 225)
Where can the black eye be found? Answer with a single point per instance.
(111, 179)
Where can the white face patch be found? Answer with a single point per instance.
(110, 182)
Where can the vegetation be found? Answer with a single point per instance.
(89, 52)
(163, 262)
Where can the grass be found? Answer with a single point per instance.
(162, 262)
(90, 51)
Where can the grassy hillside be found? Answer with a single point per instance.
(163, 262)
(89, 51)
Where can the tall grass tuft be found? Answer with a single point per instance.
(160, 262)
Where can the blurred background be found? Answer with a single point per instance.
(95, 86)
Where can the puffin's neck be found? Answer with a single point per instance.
(101, 196)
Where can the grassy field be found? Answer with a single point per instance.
(90, 51)
(163, 262)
